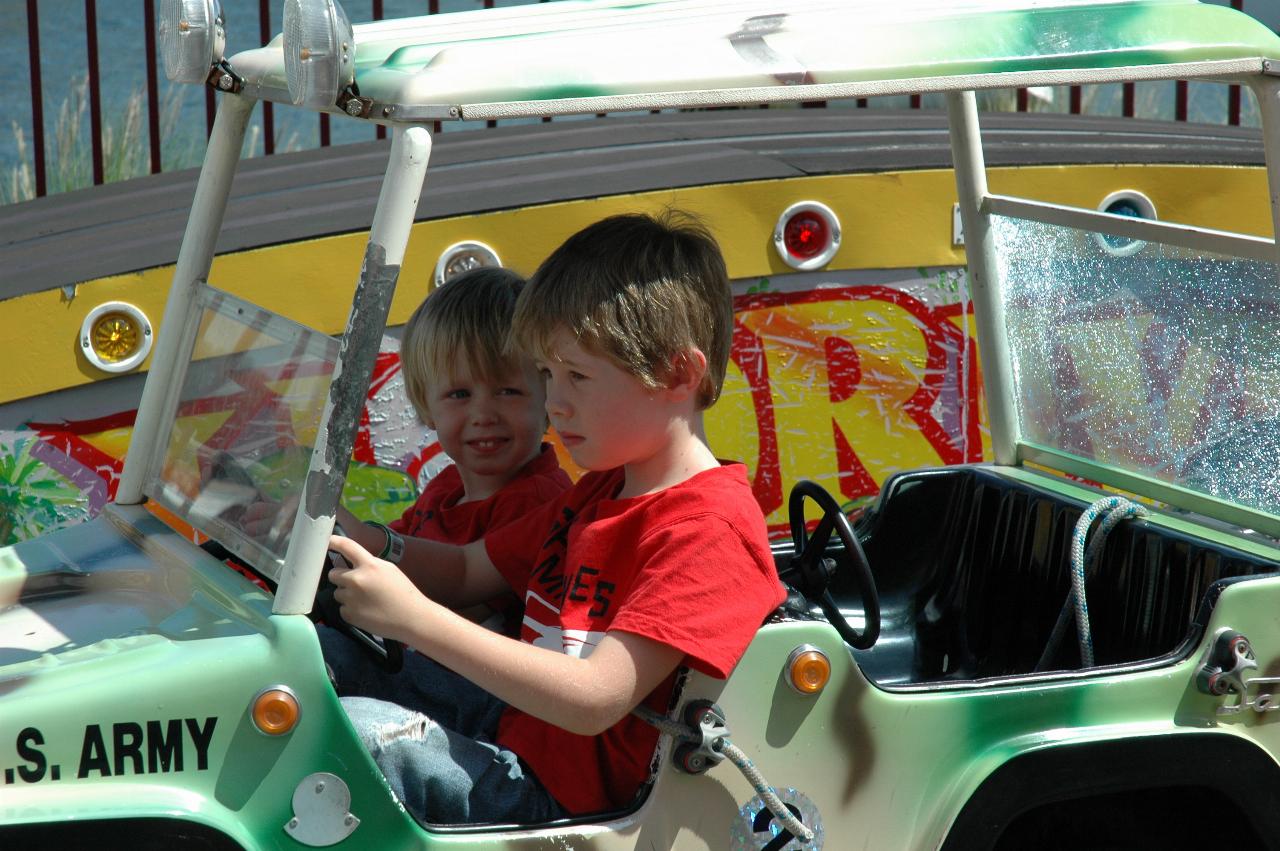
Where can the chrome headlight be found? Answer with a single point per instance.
(193, 37)
(319, 51)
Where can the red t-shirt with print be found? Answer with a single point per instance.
(438, 516)
(688, 566)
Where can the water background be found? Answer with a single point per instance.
(122, 70)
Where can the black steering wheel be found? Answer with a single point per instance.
(387, 653)
(811, 571)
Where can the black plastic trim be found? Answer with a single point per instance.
(1226, 764)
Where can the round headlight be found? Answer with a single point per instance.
(807, 235)
(463, 257)
(115, 336)
(192, 38)
(319, 51)
(1129, 203)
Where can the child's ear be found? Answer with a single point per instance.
(687, 371)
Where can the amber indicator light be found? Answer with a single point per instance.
(808, 670)
(275, 711)
(115, 336)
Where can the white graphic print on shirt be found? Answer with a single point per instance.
(544, 620)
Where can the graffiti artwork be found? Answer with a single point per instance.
(846, 377)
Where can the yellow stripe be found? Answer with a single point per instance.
(889, 220)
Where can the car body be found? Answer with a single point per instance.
(1120, 353)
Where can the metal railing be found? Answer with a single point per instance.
(266, 31)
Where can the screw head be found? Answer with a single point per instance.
(354, 107)
(225, 82)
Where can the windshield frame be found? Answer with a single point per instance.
(398, 203)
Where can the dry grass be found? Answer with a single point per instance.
(125, 144)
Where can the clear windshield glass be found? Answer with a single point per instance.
(1153, 359)
(240, 443)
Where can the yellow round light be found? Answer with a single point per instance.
(115, 336)
(809, 671)
(275, 711)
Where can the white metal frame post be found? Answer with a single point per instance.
(392, 222)
(168, 361)
(984, 282)
(1267, 90)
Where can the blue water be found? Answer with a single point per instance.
(122, 62)
(122, 70)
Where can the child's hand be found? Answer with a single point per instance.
(374, 594)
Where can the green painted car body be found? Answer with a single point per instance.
(131, 658)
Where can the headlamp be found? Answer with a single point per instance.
(463, 257)
(319, 52)
(193, 37)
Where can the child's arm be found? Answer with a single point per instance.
(353, 527)
(584, 696)
(444, 572)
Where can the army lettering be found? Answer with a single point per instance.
(126, 747)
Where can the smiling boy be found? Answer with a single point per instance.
(485, 405)
(656, 558)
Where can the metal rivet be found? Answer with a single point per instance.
(319, 787)
(349, 819)
(354, 107)
(293, 822)
(225, 82)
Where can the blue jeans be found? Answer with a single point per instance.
(431, 732)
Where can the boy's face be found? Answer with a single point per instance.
(605, 416)
(489, 429)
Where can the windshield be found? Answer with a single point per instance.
(239, 445)
(1146, 357)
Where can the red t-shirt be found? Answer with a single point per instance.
(688, 566)
(438, 516)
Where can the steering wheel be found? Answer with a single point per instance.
(813, 570)
(387, 653)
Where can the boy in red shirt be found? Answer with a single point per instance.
(658, 557)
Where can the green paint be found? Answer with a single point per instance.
(34, 498)
(571, 50)
(377, 493)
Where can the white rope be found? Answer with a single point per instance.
(735, 755)
(1112, 509)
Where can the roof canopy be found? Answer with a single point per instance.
(595, 55)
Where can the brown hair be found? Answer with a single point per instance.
(640, 290)
(468, 317)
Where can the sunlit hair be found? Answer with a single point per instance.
(639, 290)
(469, 317)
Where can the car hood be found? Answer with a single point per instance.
(121, 580)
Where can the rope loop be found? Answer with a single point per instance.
(684, 733)
(1112, 510)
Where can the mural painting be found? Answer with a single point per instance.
(841, 377)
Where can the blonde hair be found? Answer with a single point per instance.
(469, 317)
(640, 290)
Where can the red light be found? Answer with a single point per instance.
(806, 235)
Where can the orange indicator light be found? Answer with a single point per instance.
(808, 669)
(275, 711)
